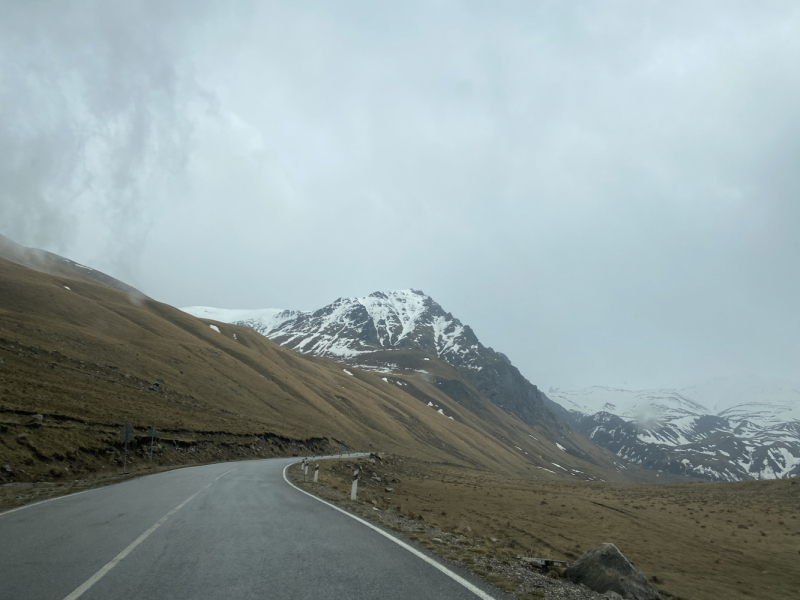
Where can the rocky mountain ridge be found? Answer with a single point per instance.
(368, 331)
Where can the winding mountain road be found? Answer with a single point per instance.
(230, 530)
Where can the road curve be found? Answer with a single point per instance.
(229, 530)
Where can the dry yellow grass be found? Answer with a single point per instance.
(702, 541)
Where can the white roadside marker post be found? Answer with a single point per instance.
(316, 473)
(354, 489)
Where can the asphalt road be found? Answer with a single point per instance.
(239, 531)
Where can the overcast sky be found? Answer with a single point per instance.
(608, 192)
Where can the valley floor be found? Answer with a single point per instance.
(697, 541)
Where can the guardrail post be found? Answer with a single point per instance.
(316, 473)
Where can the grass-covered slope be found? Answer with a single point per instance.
(88, 357)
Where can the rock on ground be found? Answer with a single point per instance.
(605, 569)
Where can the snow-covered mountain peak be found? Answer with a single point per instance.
(351, 326)
(364, 331)
(396, 314)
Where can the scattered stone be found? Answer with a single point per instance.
(1, 361)
(612, 595)
(605, 569)
(38, 418)
(22, 437)
(8, 469)
(438, 540)
(388, 489)
(543, 563)
(491, 539)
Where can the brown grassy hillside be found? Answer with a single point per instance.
(87, 358)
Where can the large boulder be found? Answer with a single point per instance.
(604, 569)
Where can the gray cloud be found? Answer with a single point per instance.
(607, 193)
(94, 123)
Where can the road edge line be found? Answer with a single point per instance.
(84, 587)
(454, 576)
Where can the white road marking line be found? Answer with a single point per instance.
(456, 577)
(113, 563)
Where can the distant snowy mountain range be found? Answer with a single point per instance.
(723, 430)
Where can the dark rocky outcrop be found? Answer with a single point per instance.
(604, 569)
(504, 385)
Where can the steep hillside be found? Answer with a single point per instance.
(368, 331)
(78, 358)
(41, 260)
(722, 430)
